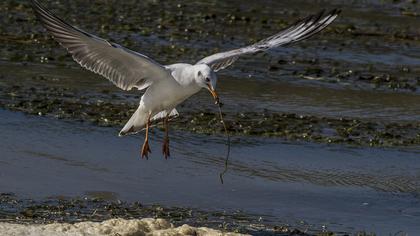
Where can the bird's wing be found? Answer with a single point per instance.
(123, 67)
(298, 31)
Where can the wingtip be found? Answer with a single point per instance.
(335, 11)
(319, 15)
(38, 8)
(36, 4)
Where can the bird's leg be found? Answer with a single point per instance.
(165, 148)
(145, 150)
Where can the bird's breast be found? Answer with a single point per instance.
(164, 96)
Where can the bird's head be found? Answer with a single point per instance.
(206, 78)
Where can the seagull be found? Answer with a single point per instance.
(166, 86)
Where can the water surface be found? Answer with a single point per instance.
(305, 185)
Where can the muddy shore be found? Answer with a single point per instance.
(178, 32)
(354, 51)
(71, 104)
(98, 209)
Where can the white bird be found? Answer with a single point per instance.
(166, 86)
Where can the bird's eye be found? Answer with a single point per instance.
(207, 79)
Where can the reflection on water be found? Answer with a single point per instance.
(287, 97)
(345, 189)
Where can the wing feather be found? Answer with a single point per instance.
(296, 32)
(123, 67)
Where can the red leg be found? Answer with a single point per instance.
(145, 150)
(165, 148)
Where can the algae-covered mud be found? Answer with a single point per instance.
(355, 83)
(54, 95)
(326, 132)
(76, 216)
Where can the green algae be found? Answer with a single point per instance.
(73, 210)
(65, 103)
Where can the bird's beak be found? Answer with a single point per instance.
(213, 93)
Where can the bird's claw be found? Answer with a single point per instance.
(145, 150)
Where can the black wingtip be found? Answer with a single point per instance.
(335, 11)
(318, 16)
(36, 5)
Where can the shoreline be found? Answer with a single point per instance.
(109, 110)
(65, 210)
(116, 226)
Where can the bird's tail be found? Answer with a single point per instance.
(138, 121)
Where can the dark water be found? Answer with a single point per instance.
(306, 185)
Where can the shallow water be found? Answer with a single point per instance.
(305, 185)
(241, 94)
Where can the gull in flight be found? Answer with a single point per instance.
(165, 86)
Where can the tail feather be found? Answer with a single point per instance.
(135, 124)
(138, 120)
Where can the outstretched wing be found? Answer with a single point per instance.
(300, 30)
(123, 67)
